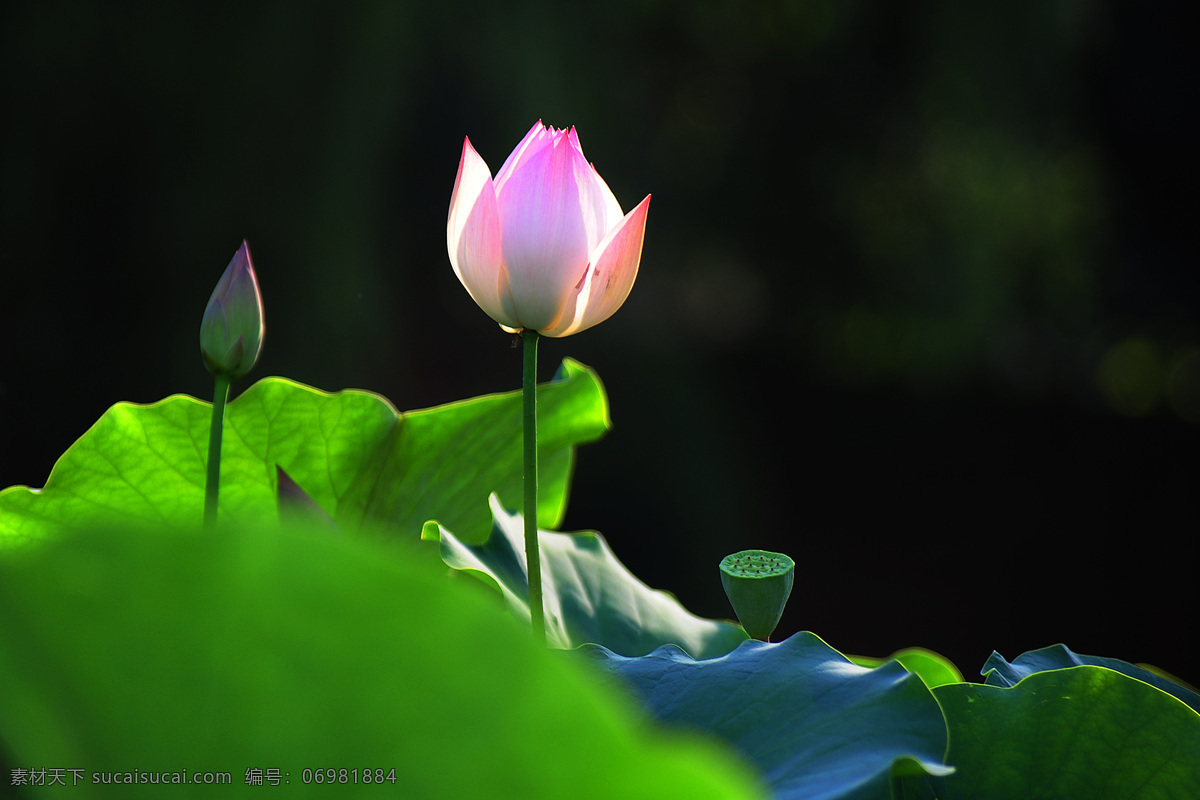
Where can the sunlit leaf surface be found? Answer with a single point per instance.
(932, 668)
(363, 462)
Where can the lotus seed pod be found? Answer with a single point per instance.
(758, 584)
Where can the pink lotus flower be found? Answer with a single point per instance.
(544, 245)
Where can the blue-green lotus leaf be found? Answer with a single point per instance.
(588, 595)
(998, 672)
(818, 726)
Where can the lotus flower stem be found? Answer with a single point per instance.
(212, 480)
(533, 556)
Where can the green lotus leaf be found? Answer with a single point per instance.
(295, 650)
(815, 724)
(589, 596)
(364, 463)
(1081, 732)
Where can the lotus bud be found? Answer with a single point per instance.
(231, 332)
(758, 584)
(543, 245)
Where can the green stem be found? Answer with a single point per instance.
(215, 429)
(529, 425)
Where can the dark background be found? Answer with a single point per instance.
(918, 301)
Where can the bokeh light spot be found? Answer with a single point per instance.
(1130, 377)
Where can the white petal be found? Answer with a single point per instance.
(473, 236)
(600, 209)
